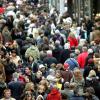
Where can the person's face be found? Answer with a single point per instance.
(41, 89)
(28, 95)
(27, 70)
(7, 94)
(58, 75)
(30, 58)
(42, 69)
(98, 68)
(14, 54)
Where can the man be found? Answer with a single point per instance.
(67, 90)
(49, 59)
(7, 95)
(82, 57)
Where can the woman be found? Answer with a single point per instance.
(32, 64)
(78, 79)
(28, 96)
(72, 39)
(29, 91)
(93, 81)
(6, 34)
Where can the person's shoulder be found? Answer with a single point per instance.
(2, 99)
(12, 98)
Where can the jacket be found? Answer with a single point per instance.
(82, 59)
(54, 95)
(32, 51)
(73, 42)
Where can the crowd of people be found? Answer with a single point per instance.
(47, 56)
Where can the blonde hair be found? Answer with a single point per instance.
(71, 34)
(77, 74)
(28, 86)
(92, 73)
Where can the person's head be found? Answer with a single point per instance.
(92, 73)
(96, 58)
(7, 93)
(49, 53)
(14, 53)
(30, 59)
(72, 35)
(89, 91)
(44, 82)
(77, 51)
(28, 95)
(72, 86)
(42, 68)
(29, 86)
(39, 74)
(77, 74)
(99, 67)
(84, 49)
(58, 74)
(41, 89)
(28, 70)
(64, 96)
(66, 85)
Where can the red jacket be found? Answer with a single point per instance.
(2, 10)
(73, 41)
(54, 95)
(82, 59)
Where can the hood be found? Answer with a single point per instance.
(54, 91)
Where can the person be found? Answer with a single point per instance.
(67, 90)
(72, 40)
(76, 96)
(78, 79)
(28, 96)
(2, 79)
(54, 95)
(7, 95)
(82, 57)
(90, 94)
(65, 53)
(49, 59)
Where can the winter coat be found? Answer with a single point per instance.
(73, 42)
(54, 95)
(33, 52)
(72, 63)
(65, 54)
(2, 10)
(66, 75)
(82, 59)
(49, 61)
(17, 88)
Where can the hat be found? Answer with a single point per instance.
(67, 46)
(90, 51)
(41, 66)
(49, 52)
(51, 78)
(57, 32)
(66, 66)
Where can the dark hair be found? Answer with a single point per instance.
(90, 90)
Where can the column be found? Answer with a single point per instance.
(62, 8)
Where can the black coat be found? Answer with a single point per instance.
(65, 54)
